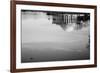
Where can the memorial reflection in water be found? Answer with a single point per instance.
(67, 19)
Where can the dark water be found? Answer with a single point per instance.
(43, 52)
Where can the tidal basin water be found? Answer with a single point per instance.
(43, 41)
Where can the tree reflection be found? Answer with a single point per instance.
(66, 20)
(74, 20)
